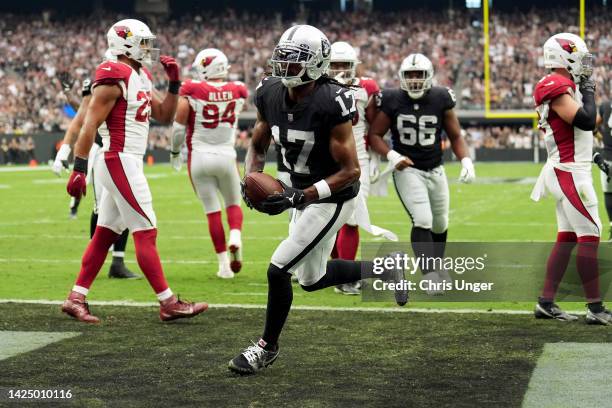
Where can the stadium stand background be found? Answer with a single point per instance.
(37, 47)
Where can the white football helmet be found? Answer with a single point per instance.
(133, 39)
(566, 50)
(211, 64)
(416, 86)
(301, 56)
(343, 52)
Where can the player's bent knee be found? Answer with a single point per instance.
(439, 225)
(276, 274)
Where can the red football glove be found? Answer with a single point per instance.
(171, 67)
(77, 184)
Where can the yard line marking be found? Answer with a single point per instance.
(391, 309)
(166, 261)
(204, 236)
(18, 342)
(570, 375)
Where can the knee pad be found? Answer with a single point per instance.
(439, 224)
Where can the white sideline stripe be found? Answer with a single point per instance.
(130, 303)
(571, 375)
(130, 261)
(18, 342)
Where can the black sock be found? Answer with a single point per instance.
(545, 302)
(608, 201)
(280, 296)
(422, 245)
(596, 307)
(93, 221)
(439, 243)
(121, 242)
(75, 205)
(339, 271)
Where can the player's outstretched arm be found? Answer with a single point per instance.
(459, 146)
(378, 128)
(256, 154)
(164, 111)
(72, 133)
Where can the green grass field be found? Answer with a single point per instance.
(329, 358)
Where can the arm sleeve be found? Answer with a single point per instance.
(259, 98)
(449, 99)
(109, 73)
(386, 103)
(185, 89)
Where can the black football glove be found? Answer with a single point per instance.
(66, 80)
(601, 163)
(244, 193)
(586, 84)
(275, 204)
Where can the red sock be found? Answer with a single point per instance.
(588, 268)
(215, 227)
(234, 217)
(148, 259)
(334, 252)
(94, 255)
(557, 264)
(348, 242)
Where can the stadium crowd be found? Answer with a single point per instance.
(36, 49)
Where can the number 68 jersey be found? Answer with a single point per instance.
(213, 115)
(416, 124)
(302, 130)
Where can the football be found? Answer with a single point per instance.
(259, 186)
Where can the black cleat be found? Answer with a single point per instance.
(397, 276)
(118, 270)
(552, 311)
(252, 359)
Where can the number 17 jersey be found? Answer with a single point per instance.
(213, 115)
(302, 130)
(416, 124)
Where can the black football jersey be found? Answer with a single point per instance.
(85, 91)
(302, 130)
(417, 124)
(280, 165)
(606, 128)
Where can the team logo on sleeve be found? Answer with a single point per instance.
(123, 31)
(567, 45)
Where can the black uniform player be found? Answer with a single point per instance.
(309, 116)
(417, 114)
(117, 268)
(605, 111)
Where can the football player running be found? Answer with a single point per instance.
(417, 114)
(117, 269)
(565, 103)
(208, 111)
(343, 66)
(310, 116)
(120, 106)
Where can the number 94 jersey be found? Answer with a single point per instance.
(303, 130)
(213, 115)
(416, 124)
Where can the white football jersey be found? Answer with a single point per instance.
(367, 88)
(126, 129)
(213, 115)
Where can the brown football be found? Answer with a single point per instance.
(259, 186)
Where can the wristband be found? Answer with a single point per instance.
(393, 157)
(322, 189)
(173, 153)
(467, 162)
(63, 152)
(80, 165)
(174, 86)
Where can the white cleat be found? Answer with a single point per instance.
(235, 249)
(225, 272)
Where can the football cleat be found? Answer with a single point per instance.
(118, 270)
(235, 249)
(604, 317)
(397, 275)
(552, 311)
(435, 286)
(225, 271)
(77, 307)
(252, 359)
(350, 289)
(174, 308)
